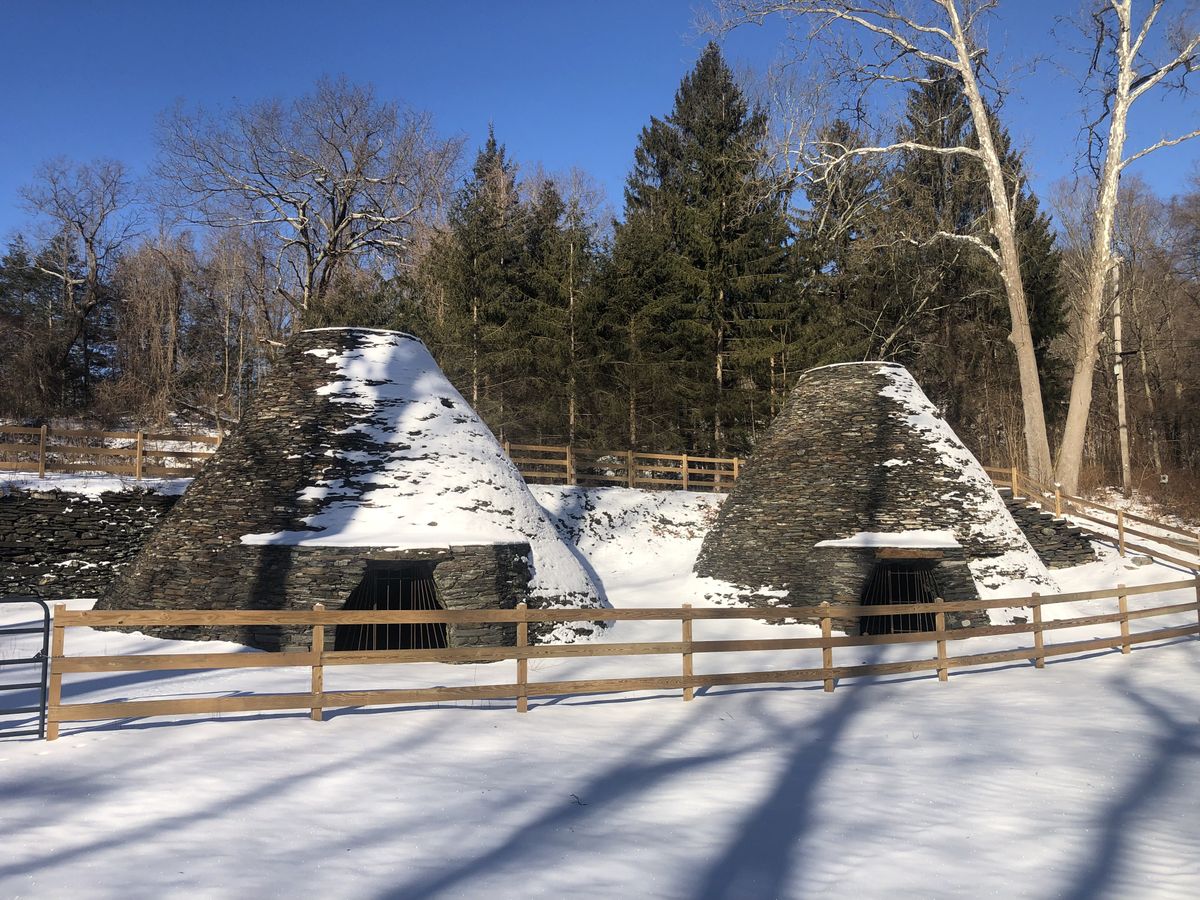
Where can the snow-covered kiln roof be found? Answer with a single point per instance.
(860, 458)
(411, 466)
(354, 449)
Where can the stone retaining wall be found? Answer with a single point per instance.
(1060, 544)
(58, 545)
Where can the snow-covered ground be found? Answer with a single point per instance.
(89, 484)
(1079, 780)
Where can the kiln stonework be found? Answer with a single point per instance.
(298, 433)
(857, 448)
(59, 545)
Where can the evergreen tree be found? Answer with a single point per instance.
(959, 341)
(31, 328)
(559, 259)
(477, 267)
(696, 264)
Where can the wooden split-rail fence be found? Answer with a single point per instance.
(150, 454)
(543, 464)
(522, 688)
(137, 453)
(141, 454)
(1114, 523)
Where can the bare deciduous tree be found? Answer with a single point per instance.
(86, 206)
(337, 176)
(1124, 69)
(873, 44)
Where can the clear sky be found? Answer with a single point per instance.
(566, 83)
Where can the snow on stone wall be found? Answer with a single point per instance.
(422, 469)
(859, 449)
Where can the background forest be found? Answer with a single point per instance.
(679, 325)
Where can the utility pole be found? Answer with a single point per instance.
(1119, 371)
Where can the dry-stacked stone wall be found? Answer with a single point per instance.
(844, 457)
(59, 545)
(1058, 543)
(291, 437)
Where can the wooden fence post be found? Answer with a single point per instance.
(1012, 480)
(570, 465)
(58, 639)
(318, 667)
(629, 471)
(1121, 531)
(1057, 502)
(684, 469)
(737, 467)
(826, 647)
(939, 623)
(1123, 605)
(522, 662)
(137, 456)
(686, 618)
(1039, 646)
(1196, 575)
(42, 453)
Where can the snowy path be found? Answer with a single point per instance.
(1077, 781)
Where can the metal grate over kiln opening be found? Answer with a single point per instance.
(393, 586)
(899, 583)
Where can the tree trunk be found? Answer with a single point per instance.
(1037, 443)
(572, 363)
(720, 378)
(1091, 313)
(475, 351)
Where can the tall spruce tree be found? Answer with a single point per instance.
(696, 264)
(559, 263)
(476, 265)
(918, 297)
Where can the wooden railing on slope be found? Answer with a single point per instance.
(542, 464)
(317, 657)
(136, 453)
(1052, 499)
(139, 453)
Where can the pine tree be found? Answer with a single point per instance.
(699, 253)
(476, 265)
(559, 262)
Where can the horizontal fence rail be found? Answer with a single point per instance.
(1116, 521)
(148, 454)
(545, 464)
(137, 453)
(316, 658)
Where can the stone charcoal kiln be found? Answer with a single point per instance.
(360, 478)
(861, 492)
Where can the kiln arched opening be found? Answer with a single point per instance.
(895, 582)
(408, 585)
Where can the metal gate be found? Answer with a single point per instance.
(21, 665)
(899, 583)
(394, 586)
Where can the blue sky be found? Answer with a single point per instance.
(566, 83)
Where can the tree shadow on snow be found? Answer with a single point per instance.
(764, 853)
(1102, 870)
